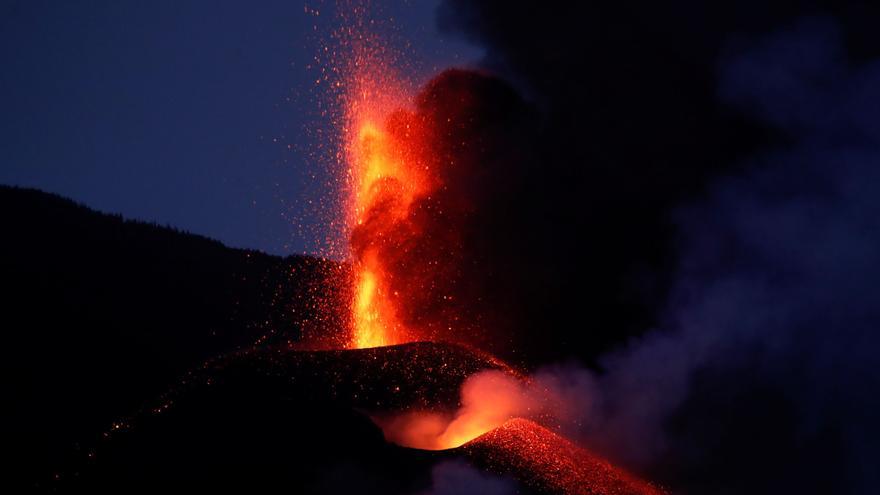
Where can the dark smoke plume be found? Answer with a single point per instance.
(630, 126)
(722, 168)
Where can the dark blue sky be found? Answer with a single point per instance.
(187, 113)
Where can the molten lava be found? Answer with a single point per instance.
(388, 176)
(388, 172)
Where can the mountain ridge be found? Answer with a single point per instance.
(102, 313)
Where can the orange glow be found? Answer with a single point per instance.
(387, 172)
(385, 185)
(370, 331)
(488, 400)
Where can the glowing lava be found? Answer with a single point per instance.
(548, 462)
(387, 173)
(488, 399)
(386, 183)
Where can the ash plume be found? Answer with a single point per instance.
(630, 127)
(763, 378)
(724, 170)
(459, 478)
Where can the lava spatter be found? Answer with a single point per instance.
(546, 461)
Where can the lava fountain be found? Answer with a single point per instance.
(387, 178)
(387, 172)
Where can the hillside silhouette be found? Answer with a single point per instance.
(100, 314)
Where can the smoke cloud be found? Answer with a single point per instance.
(489, 399)
(458, 478)
(628, 125)
(727, 181)
(728, 199)
(764, 376)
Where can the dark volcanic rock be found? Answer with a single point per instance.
(549, 463)
(99, 314)
(268, 418)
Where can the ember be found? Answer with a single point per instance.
(548, 462)
(386, 173)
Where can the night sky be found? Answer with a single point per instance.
(189, 114)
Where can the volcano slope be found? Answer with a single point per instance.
(99, 314)
(97, 329)
(271, 418)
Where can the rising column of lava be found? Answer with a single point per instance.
(387, 172)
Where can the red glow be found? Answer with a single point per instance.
(387, 172)
(488, 400)
(546, 461)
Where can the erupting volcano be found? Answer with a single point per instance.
(426, 247)
(403, 335)
(411, 179)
